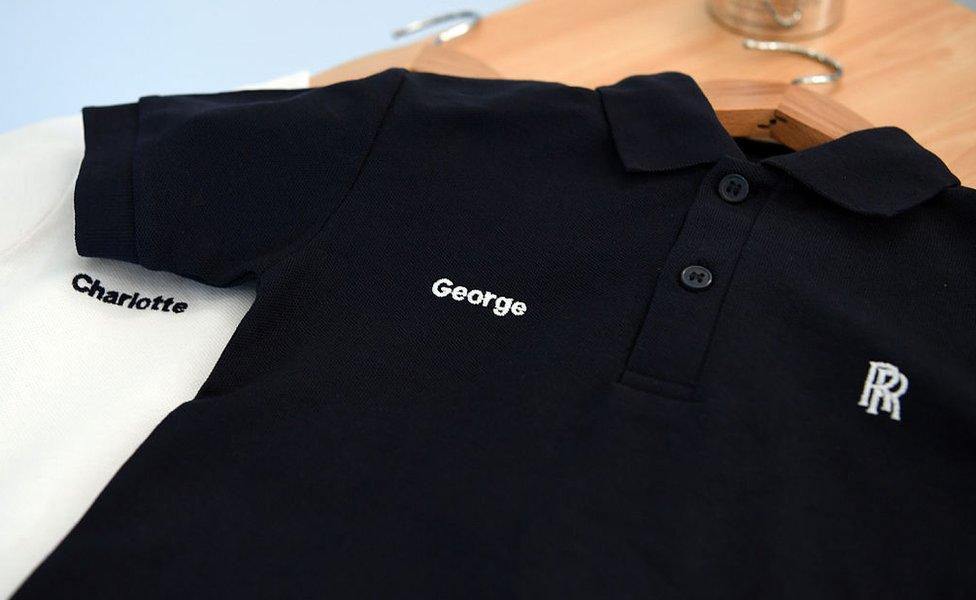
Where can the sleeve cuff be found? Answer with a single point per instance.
(104, 203)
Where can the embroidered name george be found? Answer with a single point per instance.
(501, 306)
(93, 287)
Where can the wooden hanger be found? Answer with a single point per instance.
(788, 114)
(432, 55)
(423, 56)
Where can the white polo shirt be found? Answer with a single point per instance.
(84, 376)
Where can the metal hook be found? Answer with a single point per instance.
(785, 22)
(820, 57)
(469, 19)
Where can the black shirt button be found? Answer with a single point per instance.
(733, 188)
(696, 277)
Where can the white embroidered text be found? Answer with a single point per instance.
(884, 387)
(500, 305)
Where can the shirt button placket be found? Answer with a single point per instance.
(688, 295)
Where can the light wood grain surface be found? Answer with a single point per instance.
(910, 63)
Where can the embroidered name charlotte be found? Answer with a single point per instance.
(93, 287)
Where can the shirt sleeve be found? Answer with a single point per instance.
(218, 187)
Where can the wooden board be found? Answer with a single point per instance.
(910, 63)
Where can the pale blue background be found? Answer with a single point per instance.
(59, 55)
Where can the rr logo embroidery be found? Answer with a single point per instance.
(884, 385)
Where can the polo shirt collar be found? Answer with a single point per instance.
(664, 122)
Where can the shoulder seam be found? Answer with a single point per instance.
(314, 233)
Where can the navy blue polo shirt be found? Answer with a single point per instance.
(523, 339)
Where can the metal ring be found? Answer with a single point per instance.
(785, 22)
(468, 18)
(820, 57)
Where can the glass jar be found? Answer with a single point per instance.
(777, 19)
